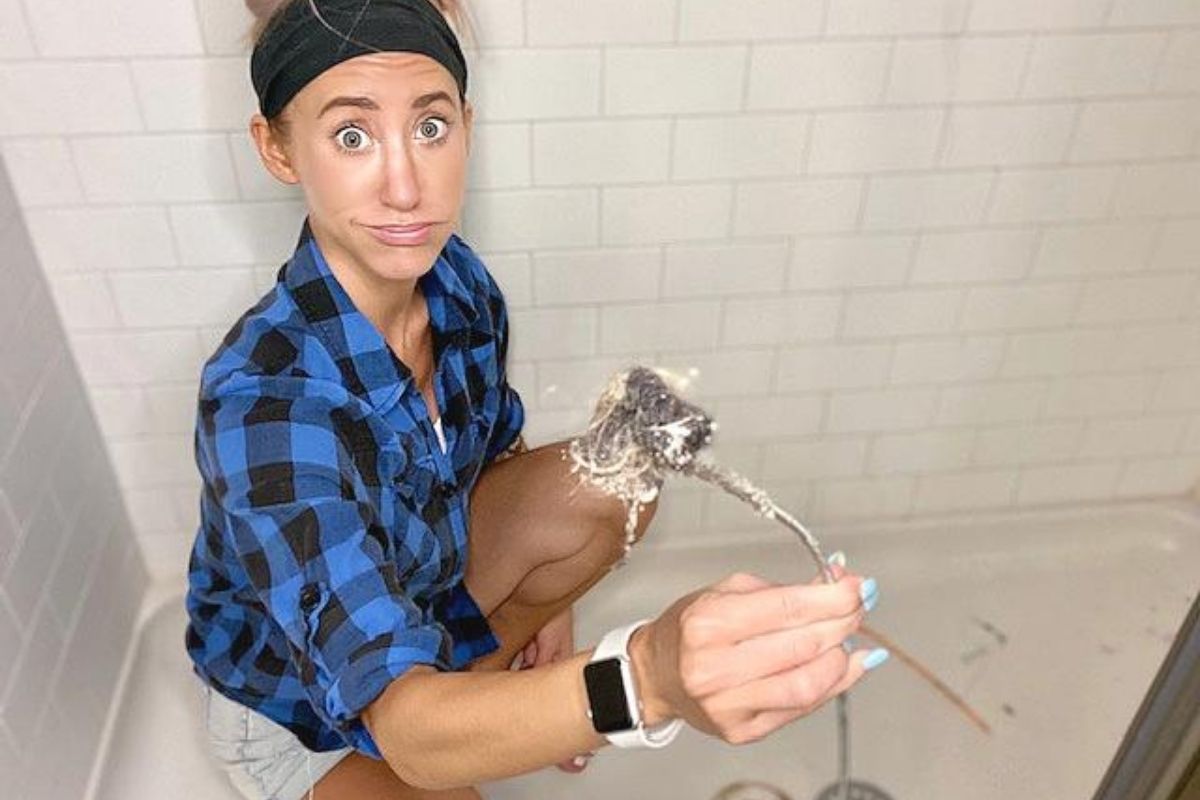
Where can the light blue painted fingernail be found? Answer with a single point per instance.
(875, 658)
(838, 559)
(869, 592)
(848, 644)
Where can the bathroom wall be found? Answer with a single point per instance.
(925, 256)
(71, 571)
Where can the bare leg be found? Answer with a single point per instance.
(538, 540)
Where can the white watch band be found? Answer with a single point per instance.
(615, 644)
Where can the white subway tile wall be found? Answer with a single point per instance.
(71, 568)
(918, 256)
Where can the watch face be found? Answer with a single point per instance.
(606, 696)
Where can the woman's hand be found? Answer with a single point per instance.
(745, 656)
(555, 641)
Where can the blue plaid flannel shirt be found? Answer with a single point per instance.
(333, 529)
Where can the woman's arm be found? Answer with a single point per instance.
(736, 660)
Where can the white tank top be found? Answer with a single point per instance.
(437, 428)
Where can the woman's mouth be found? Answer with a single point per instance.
(401, 235)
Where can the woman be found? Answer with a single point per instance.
(376, 546)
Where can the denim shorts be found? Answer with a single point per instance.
(263, 759)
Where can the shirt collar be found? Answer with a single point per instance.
(369, 367)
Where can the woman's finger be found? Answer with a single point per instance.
(804, 687)
(732, 617)
(761, 656)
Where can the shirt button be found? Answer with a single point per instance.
(309, 597)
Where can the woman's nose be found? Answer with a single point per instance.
(401, 187)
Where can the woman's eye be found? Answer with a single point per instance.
(352, 138)
(432, 128)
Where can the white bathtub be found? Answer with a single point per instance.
(1085, 600)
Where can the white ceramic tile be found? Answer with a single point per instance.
(499, 157)
(160, 461)
(947, 360)
(1095, 249)
(996, 308)
(1156, 345)
(84, 301)
(499, 23)
(42, 172)
(225, 27)
(1099, 396)
(595, 276)
(990, 403)
(964, 491)
(99, 95)
(1008, 135)
(864, 499)
(1178, 390)
(838, 366)
(1027, 444)
(886, 410)
(1067, 484)
(974, 256)
(919, 201)
(724, 270)
(1157, 477)
(767, 418)
(845, 262)
(514, 274)
(1142, 298)
(571, 22)
(635, 215)
(660, 326)
(195, 93)
(890, 314)
(1053, 194)
(29, 692)
(954, 68)
(34, 345)
(253, 179)
(885, 17)
(1005, 15)
(11, 631)
(155, 169)
(1179, 247)
(63, 28)
(1154, 12)
(536, 84)
(114, 359)
(755, 19)
(920, 452)
(1158, 189)
(741, 146)
(1136, 129)
(874, 141)
(1180, 68)
(686, 79)
(573, 383)
(151, 299)
(1147, 436)
(242, 233)
(812, 459)
(725, 373)
(516, 219)
(819, 74)
(808, 206)
(33, 561)
(16, 42)
(608, 151)
(1063, 352)
(95, 238)
(552, 333)
(1093, 64)
(794, 319)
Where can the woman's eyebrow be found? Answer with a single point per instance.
(368, 103)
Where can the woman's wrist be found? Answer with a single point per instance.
(655, 708)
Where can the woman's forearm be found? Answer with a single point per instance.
(440, 730)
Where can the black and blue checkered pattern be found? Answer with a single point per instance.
(333, 529)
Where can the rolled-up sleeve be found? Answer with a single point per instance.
(510, 418)
(316, 552)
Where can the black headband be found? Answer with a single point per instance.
(298, 45)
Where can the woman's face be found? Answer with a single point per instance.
(379, 145)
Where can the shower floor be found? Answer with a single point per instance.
(1051, 624)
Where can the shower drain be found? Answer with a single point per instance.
(859, 790)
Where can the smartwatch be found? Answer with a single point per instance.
(613, 703)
